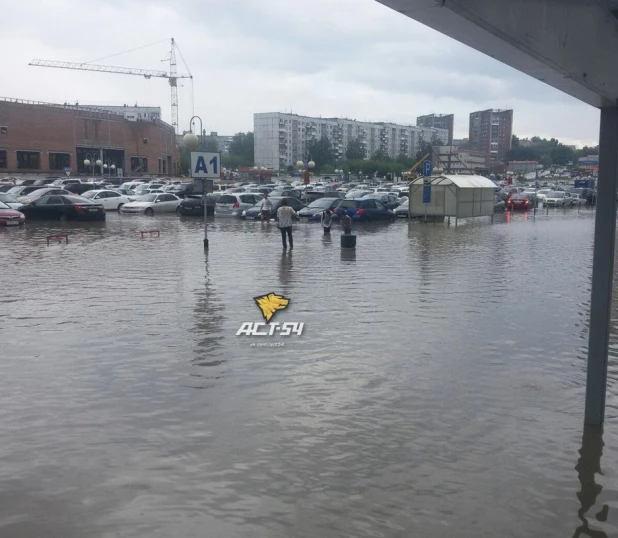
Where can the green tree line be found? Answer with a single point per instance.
(547, 152)
(241, 151)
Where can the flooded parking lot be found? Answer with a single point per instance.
(437, 388)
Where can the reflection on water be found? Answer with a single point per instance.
(437, 388)
(588, 467)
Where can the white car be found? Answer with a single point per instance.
(577, 199)
(232, 205)
(150, 204)
(111, 200)
(542, 194)
(558, 199)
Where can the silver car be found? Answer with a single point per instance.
(232, 205)
(150, 204)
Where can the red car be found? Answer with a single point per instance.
(10, 217)
(519, 201)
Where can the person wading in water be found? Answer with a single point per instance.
(285, 214)
(267, 207)
(326, 220)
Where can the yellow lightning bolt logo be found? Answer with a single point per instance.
(270, 304)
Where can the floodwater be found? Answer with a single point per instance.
(437, 388)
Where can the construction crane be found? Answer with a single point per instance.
(172, 76)
(416, 165)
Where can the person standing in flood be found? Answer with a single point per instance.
(346, 223)
(267, 207)
(326, 220)
(285, 214)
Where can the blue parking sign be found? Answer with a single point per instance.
(426, 168)
(426, 194)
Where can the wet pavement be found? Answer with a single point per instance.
(437, 388)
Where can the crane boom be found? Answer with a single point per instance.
(102, 68)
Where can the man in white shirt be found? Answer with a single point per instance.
(267, 207)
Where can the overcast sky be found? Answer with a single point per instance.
(349, 58)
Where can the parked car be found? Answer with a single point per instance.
(363, 209)
(180, 189)
(111, 200)
(63, 208)
(45, 181)
(232, 205)
(558, 199)
(6, 187)
(519, 201)
(10, 200)
(194, 205)
(149, 204)
(10, 216)
(388, 199)
(358, 193)
(542, 194)
(577, 199)
(404, 209)
(25, 182)
(499, 204)
(40, 192)
(22, 190)
(315, 209)
(255, 212)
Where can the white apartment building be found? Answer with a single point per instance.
(280, 140)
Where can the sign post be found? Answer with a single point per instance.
(205, 168)
(426, 185)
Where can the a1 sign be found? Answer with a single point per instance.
(206, 165)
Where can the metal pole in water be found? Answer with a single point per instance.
(205, 218)
(602, 268)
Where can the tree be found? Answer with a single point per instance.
(379, 155)
(424, 148)
(436, 140)
(355, 150)
(321, 151)
(562, 155)
(242, 146)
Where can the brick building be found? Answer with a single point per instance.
(43, 138)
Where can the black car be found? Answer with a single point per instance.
(63, 208)
(255, 212)
(181, 190)
(193, 206)
(312, 196)
(315, 209)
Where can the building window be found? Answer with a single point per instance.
(59, 161)
(139, 164)
(4, 159)
(30, 160)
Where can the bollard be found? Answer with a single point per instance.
(59, 237)
(348, 241)
(150, 232)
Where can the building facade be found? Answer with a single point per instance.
(459, 161)
(45, 138)
(490, 131)
(133, 113)
(523, 166)
(280, 140)
(439, 121)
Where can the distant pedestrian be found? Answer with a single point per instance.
(346, 223)
(285, 214)
(267, 207)
(326, 220)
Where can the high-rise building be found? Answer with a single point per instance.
(280, 140)
(438, 121)
(490, 132)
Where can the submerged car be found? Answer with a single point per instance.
(63, 208)
(10, 217)
(363, 210)
(255, 212)
(315, 209)
(10, 200)
(558, 199)
(233, 205)
(150, 204)
(193, 205)
(403, 210)
(111, 200)
(520, 201)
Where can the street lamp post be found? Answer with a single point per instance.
(192, 142)
(109, 166)
(310, 165)
(90, 161)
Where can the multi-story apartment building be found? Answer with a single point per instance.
(491, 132)
(438, 121)
(280, 139)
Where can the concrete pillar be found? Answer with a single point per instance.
(602, 268)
